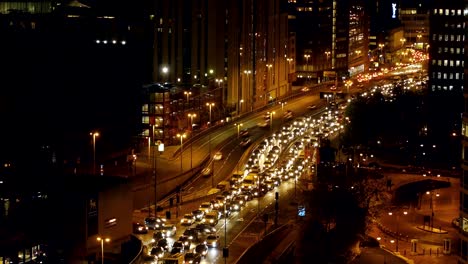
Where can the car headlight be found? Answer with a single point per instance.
(211, 221)
(153, 240)
(186, 243)
(190, 237)
(168, 233)
(214, 244)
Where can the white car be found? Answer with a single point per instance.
(212, 241)
(188, 219)
(218, 156)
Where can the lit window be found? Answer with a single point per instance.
(439, 75)
(451, 76)
(445, 76)
(439, 62)
(457, 63)
(445, 62)
(451, 63)
(457, 75)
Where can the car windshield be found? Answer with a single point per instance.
(169, 227)
(211, 237)
(187, 216)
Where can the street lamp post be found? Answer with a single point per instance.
(271, 119)
(403, 40)
(210, 105)
(187, 93)
(181, 136)
(307, 56)
(191, 143)
(160, 150)
(191, 116)
(240, 105)
(94, 135)
(249, 94)
(209, 140)
(101, 239)
(238, 125)
(327, 53)
(397, 228)
(431, 205)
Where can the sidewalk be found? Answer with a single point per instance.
(408, 222)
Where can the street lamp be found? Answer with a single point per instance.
(397, 227)
(248, 72)
(165, 71)
(307, 56)
(403, 40)
(210, 105)
(431, 205)
(101, 239)
(188, 95)
(191, 116)
(94, 135)
(238, 125)
(271, 119)
(181, 136)
(240, 106)
(219, 81)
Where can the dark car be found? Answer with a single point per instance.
(205, 228)
(245, 142)
(192, 234)
(155, 223)
(157, 252)
(139, 228)
(192, 258)
(177, 249)
(201, 249)
(158, 235)
(198, 214)
(186, 241)
(163, 243)
(244, 133)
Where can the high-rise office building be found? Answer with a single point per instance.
(331, 36)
